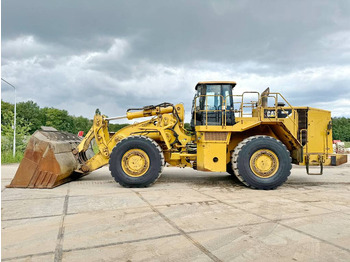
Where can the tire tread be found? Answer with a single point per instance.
(235, 159)
(115, 149)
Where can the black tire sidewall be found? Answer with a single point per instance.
(135, 143)
(243, 163)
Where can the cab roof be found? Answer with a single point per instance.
(216, 83)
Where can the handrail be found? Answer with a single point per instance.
(240, 110)
(242, 103)
(222, 104)
(275, 96)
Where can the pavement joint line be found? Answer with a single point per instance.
(121, 243)
(297, 230)
(93, 181)
(182, 232)
(227, 227)
(315, 237)
(309, 203)
(318, 183)
(39, 198)
(125, 242)
(298, 217)
(102, 194)
(159, 237)
(160, 189)
(162, 205)
(25, 218)
(274, 220)
(103, 210)
(126, 208)
(27, 256)
(60, 236)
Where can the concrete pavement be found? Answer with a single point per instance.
(186, 216)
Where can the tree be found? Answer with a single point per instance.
(187, 126)
(116, 127)
(31, 113)
(341, 128)
(58, 119)
(6, 107)
(22, 132)
(81, 124)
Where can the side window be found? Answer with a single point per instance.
(198, 100)
(227, 96)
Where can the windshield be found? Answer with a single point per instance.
(217, 95)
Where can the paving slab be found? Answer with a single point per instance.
(26, 194)
(93, 203)
(333, 228)
(239, 193)
(88, 230)
(267, 242)
(91, 187)
(32, 208)
(207, 215)
(185, 216)
(274, 208)
(174, 196)
(336, 200)
(27, 237)
(176, 248)
(34, 258)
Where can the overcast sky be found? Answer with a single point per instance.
(112, 55)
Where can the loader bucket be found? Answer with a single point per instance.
(48, 160)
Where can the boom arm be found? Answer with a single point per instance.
(166, 127)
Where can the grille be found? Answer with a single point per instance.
(215, 136)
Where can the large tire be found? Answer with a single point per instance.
(136, 161)
(261, 162)
(229, 169)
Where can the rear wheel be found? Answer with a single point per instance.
(136, 161)
(261, 162)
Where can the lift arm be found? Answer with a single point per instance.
(166, 127)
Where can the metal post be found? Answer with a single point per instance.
(14, 128)
(14, 120)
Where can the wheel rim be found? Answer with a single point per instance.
(135, 162)
(264, 163)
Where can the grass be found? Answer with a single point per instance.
(347, 144)
(95, 148)
(7, 157)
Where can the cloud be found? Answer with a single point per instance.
(22, 47)
(80, 84)
(114, 55)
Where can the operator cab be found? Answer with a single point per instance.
(213, 104)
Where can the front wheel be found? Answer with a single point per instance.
(261, 162)
(136, 161)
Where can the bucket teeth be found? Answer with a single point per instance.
(49, 160)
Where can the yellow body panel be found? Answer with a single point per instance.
(319, 138)
(211, 150)
(215, 143)
(211, 156)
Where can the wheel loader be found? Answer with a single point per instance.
(254, 137)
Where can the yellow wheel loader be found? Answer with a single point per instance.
(254, 137)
